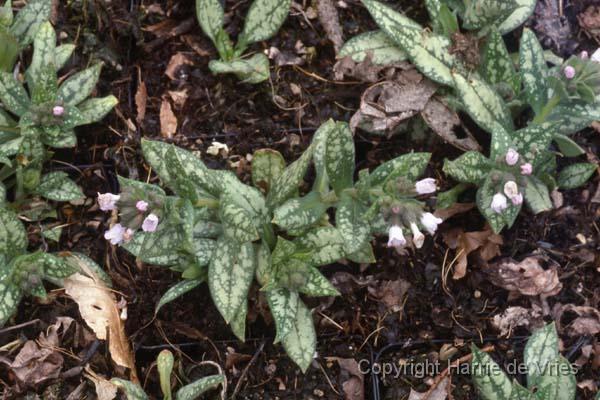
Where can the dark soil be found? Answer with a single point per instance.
(356, 325)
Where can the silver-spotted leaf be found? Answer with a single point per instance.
(288, 182)
(283, 304)
(238, 323)
(376, 45)
(230, 274)
(250, 70)
(79, 86)
(164, 365)
(263, 20)
(211, 17)
(12, 94)
(94, 110)
(132, 391)
(536, 195)
(319, 144)
(62, 54)
(485, 193)
(28, 20)
(238, 223)
(471, 167)
(267, 165)
(521, 11)
(195, 389)
(301, 341)
(353, 227)
(58, 186)
(491, 382)
(177, 291)
(162, 247)
(497, 66)
(533, 70)
(317, 285)
(339, 157)
(10, 297)
(557, 380)
(300, 212)
(44, 50)
(325, 244)
(13, 237)
(541, 349)
(409, 166)
(575, 175)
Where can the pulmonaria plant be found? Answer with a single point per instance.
(215, 228)
(16, 32)
(485, 83)
(164, 364)
(263, 20)
(550, 376)
(22, 272)
(45, 116)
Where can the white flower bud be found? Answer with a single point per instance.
(115, 234)
(108, 201)
(499, 203)
(426, 186)
(150, 223)
(418, 237)
(396, 237)
(430, 222)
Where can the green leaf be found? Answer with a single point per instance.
(364, 255)
(301, 341)
(10, 296)
(534, 71)
(195, 389)
(162, 247)
(126, 184)
(283, 304)
(523, 9)
(176, 291)
(164, 364)
(351, 222)
(471, 167)
(251, 70)
(58, 186)
(62, 55)
(9, 51)
(28, 20)
(288, 182)
(230, 274)
(520, 393)
(43, 91)
(340, 157)
(54, 267)
(536, 195)
(485, 193)
(12, 94)
(533, 141)
(94, 110)
(497, 66)
(558, 380)
(79, 86)
(575, 175)
(317, 285)
(300, 212)
(482, 103)
(319, 143)
(6, 15)
(238, 323)
(238, 223)
(211, 17)
(326, 245)
(491, 382)
(44, 50)
(567, 146)
(2, 195)
(541, 349)
(267, 165)
(132, 390)
(377, 45)
(13, 237)
(263, 20)
(409, 166)
(479, 13)
(429, 52)
(571, 118)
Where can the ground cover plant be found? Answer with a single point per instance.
(343, 197)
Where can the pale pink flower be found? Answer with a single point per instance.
(526, 169)
(58, 111)
(150, 223)
(396, 237)
(517, 200)
(512, 157)
(115, 234)
(430, 222)
(108, 201)
(141, 206)
(569, 72)
(499, 203)
(426, 186)
(128, 235)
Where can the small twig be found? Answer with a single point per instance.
(23, 325)
(238, 385)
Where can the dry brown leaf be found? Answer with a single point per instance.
(141, 99)
(586, 322)
(330, 20)
(444, 122)
(527, 277)
(486, 243)
(354, 386)
(391, 293)
(98, 307)
(104, 389)
(513, 317)
(454, 209)
(284, 58)
(168, 120)
(440, 391)
(179, 97)
(364, 71)
(177, 61)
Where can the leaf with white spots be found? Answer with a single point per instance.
(557, 381)
(283, 304)
(12, 94)
(162, 247)
(377, 45)
(325, 244)
(491, 382)
(9, 51)
(288, 182)
(471, 167)
(58, 186)
(575, 175)
(317, 285)
(44, 50)
(13, 237)
(479, 13)
(364, 255)
(429, 52)
(254, 69)
(536, 195)
(300, 212)
(62, 55)
(571, 118)
(230, 274)
(522, 10)
(409, 166)
(176, 291)
(319, 143)
(195, 389)
(340, 157)
(533, 70)
(482, 102)
(238, 323)
(541, 349)
(567, 146)
(497, 66)
(238, 223)
(350, 220)
(29, 19)
(79, 86)
(263, 20)
(10, 297)
(132, 391)
(533, 141)
(94, 110)
(267, 165)
(211, 17)
(301, 341)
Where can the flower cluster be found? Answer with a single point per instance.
(408, 215)
(510, 190)
(137, 216)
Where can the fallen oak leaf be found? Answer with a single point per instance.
(98, 307)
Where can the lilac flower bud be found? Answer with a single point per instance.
(526, 169)
(396, 237)
(430, 222)
(569, 72)
(115, 234)
(58, 111)
(141, 206)
(418, 237)
(499, 203)
(150, 223)
(518, 199)
(426, 186)
(512, 157)
(128, 235)
(108, 201)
